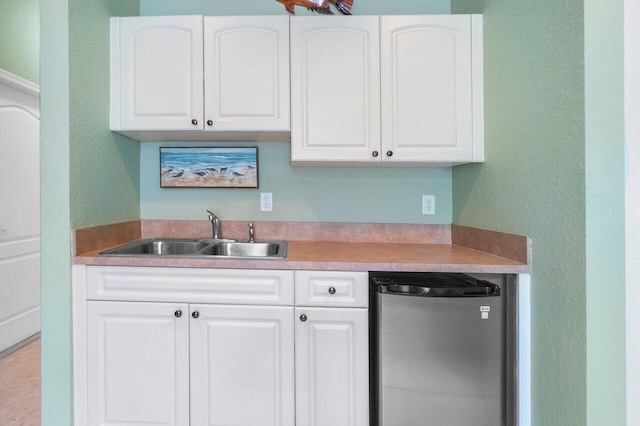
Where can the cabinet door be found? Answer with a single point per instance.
(332, 367)
(246, 63)
(427, 88)
(242, 365)
(137, 363)
(335, 88)
(156, 73)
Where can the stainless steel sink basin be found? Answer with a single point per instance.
(165, 247)
(198, 248)
(245, 249)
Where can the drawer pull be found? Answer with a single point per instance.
(195, 314)
(303, 317)
(178, 313)
(332, 290)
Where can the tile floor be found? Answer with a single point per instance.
(20, 387)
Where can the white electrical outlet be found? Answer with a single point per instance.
(266, 202)
(429, 204)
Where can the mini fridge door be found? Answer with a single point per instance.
(441, 360)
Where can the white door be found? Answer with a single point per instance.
(242, 365)
(332, 367)
(19, 210)
(137, 363)
(335, 88)
(426, 88)
(246, 63)
(156, 73)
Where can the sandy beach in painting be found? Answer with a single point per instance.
(208, 167)
(214, 181)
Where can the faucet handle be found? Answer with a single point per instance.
(251, 237)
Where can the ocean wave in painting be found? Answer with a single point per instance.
(209, 167)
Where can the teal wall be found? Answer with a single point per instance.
(272, 7)
(19, 38)
(301, 193)
(605, 211)
(553, 171)
(308, 194)
(89, 176)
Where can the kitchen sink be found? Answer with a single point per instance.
(200, 248)
(158, 247)
(243, 249)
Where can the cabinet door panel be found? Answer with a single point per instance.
(242, 365)
(159, 66)
(427, 88)
(137, 363)
(246, 63)
(332, 367)
(335, 88)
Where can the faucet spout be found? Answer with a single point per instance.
(215, 225)
(251, 237)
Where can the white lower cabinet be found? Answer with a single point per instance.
(332, 348)
(151, 348)
(332, 367)
(137, 364)
(242, 365)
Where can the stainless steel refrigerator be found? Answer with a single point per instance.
(443, 350)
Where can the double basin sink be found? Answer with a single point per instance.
(201, 248)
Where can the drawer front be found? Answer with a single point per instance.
(190, 285)
(331, 288)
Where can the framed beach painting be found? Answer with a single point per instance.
(225, 167)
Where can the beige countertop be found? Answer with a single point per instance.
(372, 247)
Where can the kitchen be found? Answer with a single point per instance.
(476, 195)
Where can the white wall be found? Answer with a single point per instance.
(632, 112)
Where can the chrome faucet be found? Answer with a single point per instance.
(215, 225)
(251, 238)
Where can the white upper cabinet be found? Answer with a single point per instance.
(156, 73)
(195, 78)
(427, 89)
(335, 81)
(246, 79)
(422, 103)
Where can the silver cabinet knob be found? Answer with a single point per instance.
(389, 153)
(195, 314)
(178, 313)
(194, 122)
(375, 153)
(209, 122)
(332, 290)
(303, 317)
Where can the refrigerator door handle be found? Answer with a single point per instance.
(422, 291)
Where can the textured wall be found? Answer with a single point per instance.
(105, 166)
(89, 176)
(303, 193)
(19, 38)
(546, 125)
(308, 194)
(272, 7)
(605, 214)
(632, 131)
(55, 220)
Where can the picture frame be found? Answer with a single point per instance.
(209, 167)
